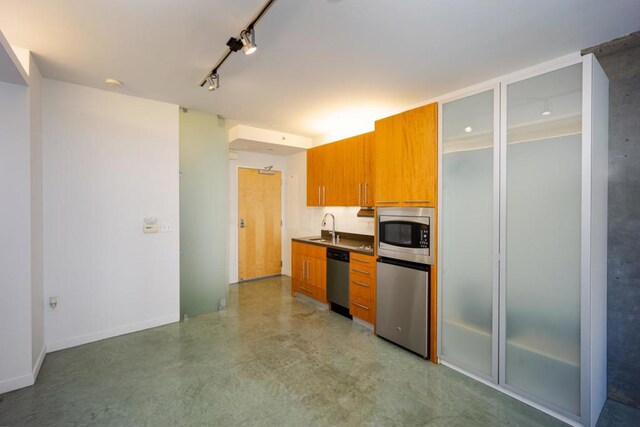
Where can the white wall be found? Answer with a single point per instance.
(301, 220)
(109, 160)
(248, 160)
(15, 243)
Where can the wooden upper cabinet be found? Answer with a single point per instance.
(406, 154)
(368, 195)
(341, 173)
(388, 165)
(316, 169)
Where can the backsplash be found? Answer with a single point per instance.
(346, 220)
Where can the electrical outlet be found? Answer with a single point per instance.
(53, 304)
(166, 227)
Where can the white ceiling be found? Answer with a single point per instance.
(322, 65)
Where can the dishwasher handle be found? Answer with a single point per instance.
(406, 264)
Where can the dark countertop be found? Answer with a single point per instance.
(360, 245)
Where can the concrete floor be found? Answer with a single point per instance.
(269, 359)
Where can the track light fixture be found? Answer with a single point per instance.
(248, 39)
(245, 41)
(214, 81)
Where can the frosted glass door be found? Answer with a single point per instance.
(468, 232)
(543, 211)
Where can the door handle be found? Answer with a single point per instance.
(366, 193)
(242, 223)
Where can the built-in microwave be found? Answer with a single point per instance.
(405, 233)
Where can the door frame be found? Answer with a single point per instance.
(234, 229)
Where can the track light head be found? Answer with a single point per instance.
(214, 81)
(248, 39)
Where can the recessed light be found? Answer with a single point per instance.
(468, 129)
(546, 111)
(113, 82)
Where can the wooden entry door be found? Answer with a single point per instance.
(259, 223)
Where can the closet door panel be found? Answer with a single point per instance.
(543, 246)
(467, 249)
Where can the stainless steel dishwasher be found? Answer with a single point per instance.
(338, 281)
(402, 297)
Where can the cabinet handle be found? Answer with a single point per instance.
(388, 201)
(360, 260)
(417, 201)
(308, 265)
(359, 305)
(366, 273)
(361, 283)
(319, 204)
(324, 196)
(360, 194)
(366, 195)
(308, 290)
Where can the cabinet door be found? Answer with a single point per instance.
(318, 277)
(354, 171)
(314, 176)
(297, 267)
(342, 183)
(419, 155)
(368, 143)
(388, 166)
(334, 188)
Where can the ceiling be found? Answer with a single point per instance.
(322, 65)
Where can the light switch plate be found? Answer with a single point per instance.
(151, 228)
(166, 227)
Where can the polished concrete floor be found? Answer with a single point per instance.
(269, 359)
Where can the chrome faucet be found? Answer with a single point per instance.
(333, 231)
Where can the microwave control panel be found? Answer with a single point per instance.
(424, 238)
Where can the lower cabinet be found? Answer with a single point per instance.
(362, 287)
(309, 277)
(309, 271)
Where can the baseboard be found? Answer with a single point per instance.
(363, 323)
(16, 383)
(23, 380)
(110, 333)
(38, 364)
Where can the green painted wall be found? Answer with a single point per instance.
(203, 212)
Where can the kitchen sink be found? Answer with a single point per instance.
(319, 239)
